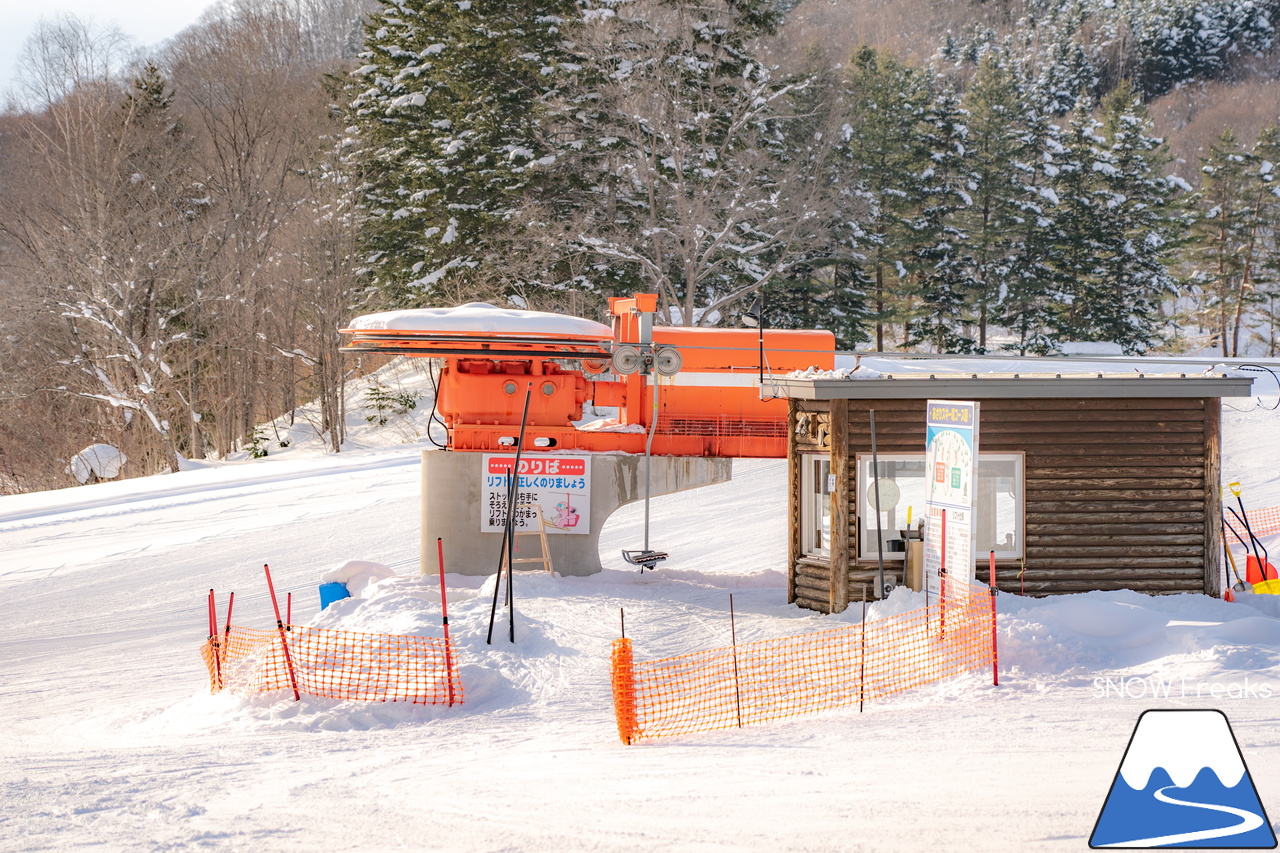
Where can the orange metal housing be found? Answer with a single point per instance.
(712, 407)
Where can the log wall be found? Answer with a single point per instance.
(1119, 494)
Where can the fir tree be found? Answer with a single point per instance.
(998, 151)
(1239, 215)
(1141, 227)
(449, 122)
(887, 167)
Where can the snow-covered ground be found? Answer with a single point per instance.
(113, 742)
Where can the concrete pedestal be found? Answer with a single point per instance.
(451, 507)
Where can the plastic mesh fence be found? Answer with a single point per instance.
(1265, 522)
(776, 679)
(336, 665)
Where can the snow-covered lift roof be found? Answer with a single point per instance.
(481, 318)
(849, 385)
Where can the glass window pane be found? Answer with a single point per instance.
(997, 504)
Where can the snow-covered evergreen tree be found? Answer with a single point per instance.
(999, 151)
(1141, 228)
(886, 175)
(1240, 213)
(698, 200)
(449, 117)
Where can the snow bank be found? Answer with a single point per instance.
(859, 372)
(97, 460)
(482, 317)
(357, 576)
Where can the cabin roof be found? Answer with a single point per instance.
(917, 386)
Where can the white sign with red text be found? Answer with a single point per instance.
(559, 485)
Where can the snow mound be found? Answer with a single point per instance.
(859, 372)
(482, 317)
(97, 460)
(358, 576)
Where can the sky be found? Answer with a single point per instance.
(147, 22)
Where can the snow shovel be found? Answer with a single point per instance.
(1256, 566)
(1239, 585)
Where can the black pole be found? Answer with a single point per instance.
(761, 344)
(737, 689)
(875, 474)
(622, 614)
(508, 533)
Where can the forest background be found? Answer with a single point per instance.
(182, 230)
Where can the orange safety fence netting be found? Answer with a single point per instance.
(336, 665)
(1264, 522)
(776, 679)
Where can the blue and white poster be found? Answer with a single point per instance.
(1183, 783)
(951, 463)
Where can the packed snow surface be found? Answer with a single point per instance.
(482, 317)
(113, 741)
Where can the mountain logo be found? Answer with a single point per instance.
(1183, 783)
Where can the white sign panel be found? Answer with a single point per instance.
(951, 464)
(559, 485)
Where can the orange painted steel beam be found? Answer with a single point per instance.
(712, 407)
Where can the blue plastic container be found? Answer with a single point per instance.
(331, 592)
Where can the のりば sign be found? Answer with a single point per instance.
(951, 459)
(559, 485)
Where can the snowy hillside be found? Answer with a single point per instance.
(113, 741)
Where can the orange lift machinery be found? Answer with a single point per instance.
(708, 395)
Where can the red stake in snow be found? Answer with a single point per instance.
(942, 577)
(444, 613)
(284, 644)
(226, 633)
(995, 655)
(213, 640)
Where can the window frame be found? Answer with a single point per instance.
(866, 545)
(808, 505)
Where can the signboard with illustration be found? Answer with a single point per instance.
(951, 457)
(559, 485)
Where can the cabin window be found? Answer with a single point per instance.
(815, 505)
(998, 505)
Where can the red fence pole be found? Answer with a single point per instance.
(995, 653)
(226, 633)
(213, 639)
(942, 578)
(444, 613)
(284, 644)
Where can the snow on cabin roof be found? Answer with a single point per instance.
(866, 384)
(481, 317)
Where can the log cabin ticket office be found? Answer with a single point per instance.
(1089, 447)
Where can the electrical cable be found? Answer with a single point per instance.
(435, 395)
(1260, 368)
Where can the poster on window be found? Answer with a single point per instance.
(951, 455)
(560, 486)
